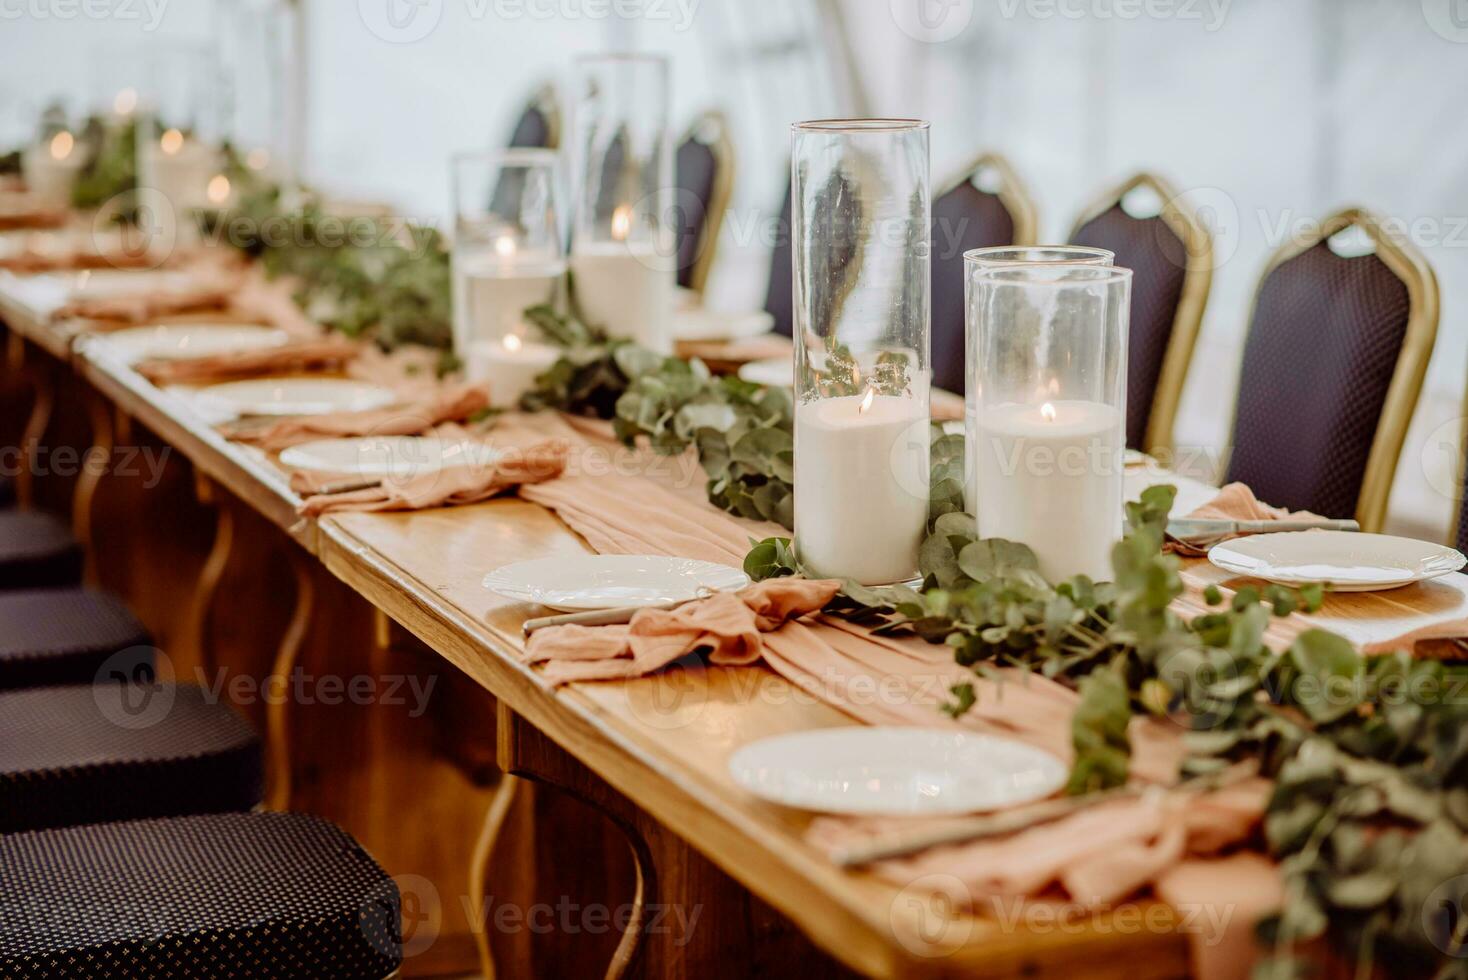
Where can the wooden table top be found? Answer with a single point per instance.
(661, 741)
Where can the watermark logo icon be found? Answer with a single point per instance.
(932, 21)
(400, 21)
(1448, 19)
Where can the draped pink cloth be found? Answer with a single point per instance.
(1166, 840)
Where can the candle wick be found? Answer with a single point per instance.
(1047, 412)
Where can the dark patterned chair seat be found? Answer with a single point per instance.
(93, 753)
(696, 172)
(1318, 360)
(1158, 260)
(67, 636)
(37, 552)
(964, 218)
(228, 895)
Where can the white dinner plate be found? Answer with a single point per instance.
(185, 341)
(773, 372)
(297, 396)
(1347, 561)
(572, 583)
(387, 457)
(896, 771)
(700, 324)
(121, 282)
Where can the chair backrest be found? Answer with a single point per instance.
(1333, 363)
(985, 205)
(1170, 254)
(780, 293)
(704, 176)
(539, 124)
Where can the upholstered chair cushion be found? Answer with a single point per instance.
(1318, 360)
(93, 753)
(67, 636)
(779, 295)
(227, 895)
(1158, 260)
(37, 552)
(696, 171)
(532, 129)
(964, 218)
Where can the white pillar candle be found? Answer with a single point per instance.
(181, 169)
(493, 287)
(1050, 476)
(509, 366)
(861, 486)
(50, 170)
(626, 288)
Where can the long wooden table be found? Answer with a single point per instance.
(652, 752)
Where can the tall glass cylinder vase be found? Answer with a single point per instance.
(179, 164)
(507, 257)
(861, 227)
(1049, 349)
(623, 250)
(1001, 256)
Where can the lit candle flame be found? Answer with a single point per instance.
(257, 159)
(171, 142)
(621, 222)
(125, 102)
(512, 342)
(504, 246)
(61, 145)
(866, 403)
(218, 190)
(1047, 412)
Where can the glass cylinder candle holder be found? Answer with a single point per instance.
(1049, 353)
(50, 168)
(1000, 256)
(179, 163)
(623, 250)
(507, 257)
(861, 231)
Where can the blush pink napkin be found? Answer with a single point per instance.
(207, 285)
(448, 487)
(21, 209)
(453, 403)
(79, 257)
(324, 353)
(728, 626)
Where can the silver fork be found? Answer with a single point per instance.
(1197, 535)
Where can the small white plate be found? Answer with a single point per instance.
(186, 341)
(876, 771)
(572, 583)
(388, 457)
(700, 324)
(297, 396)
(1347, 561)
(773, 372)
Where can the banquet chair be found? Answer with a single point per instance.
(37, 551)
(1343, 326)
(985, 205)
(539, 124)
(779, 293)
(67, 636)
(96, 753)
(1170, 253)
(704, 182)
(219, 895)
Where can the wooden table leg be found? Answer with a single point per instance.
(688, 918)
(39, 373)
(95, 463)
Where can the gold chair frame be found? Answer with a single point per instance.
(1188, 320)
(1412, 268)
(720, 194)
(1012, 193)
